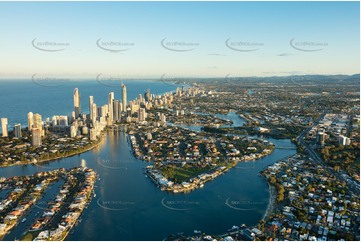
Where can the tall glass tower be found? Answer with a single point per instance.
(76, 102)
(124, 97)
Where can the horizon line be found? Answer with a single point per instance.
(165, 77)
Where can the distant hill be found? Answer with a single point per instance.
(300, 79)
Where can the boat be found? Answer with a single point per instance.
(95, 194)
(202, 185)
(24, 219)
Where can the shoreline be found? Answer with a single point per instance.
(56, 158)
(272, 203)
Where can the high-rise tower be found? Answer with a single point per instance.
(110, 107)
(4, 127)
(36, 139)
(124, 97)
(30, 120)
(91, 101)
(76, 102)
(17, 130)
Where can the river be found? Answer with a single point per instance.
(128, 206)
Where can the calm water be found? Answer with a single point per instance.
(235, 118)
(128, 206)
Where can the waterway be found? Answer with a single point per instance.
(128, 206)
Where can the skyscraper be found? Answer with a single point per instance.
(116, 112)
(148, 96)
(124, 97)
(91, 101)
(110, 107)
(76, 102)
(142, 115)
(30, 120)
(38, 122)
(120, 109)
(94, 113)
(36, 139)
(4, 127)
(73, 131)
(17, 130)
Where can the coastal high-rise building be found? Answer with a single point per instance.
(91, 101)
(134, 107)
(99, 112)
(36, 139)
(129, 112)
(76, 102)
(124, 97)
(116, 113)
(148, 96)
(17, 130)
(103, 111)
(4, 127)
(30, 120)
(178, 92)
(140, 97)
(73, 131)
(142, 115)
(47, 121)
(94, 113)
(38, 123)
(61, 121)
(120, 108)
(93, 134)
(111, 107)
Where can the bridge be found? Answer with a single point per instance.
(117, 128)
(285, 147)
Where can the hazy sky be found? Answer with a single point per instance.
(178, 38)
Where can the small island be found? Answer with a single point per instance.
(184, 160)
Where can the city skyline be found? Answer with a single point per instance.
(131, 40)
(130, 112)
(193, 135)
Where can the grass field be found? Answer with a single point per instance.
(29, 236)
(181, 174)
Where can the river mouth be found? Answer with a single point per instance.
(128, 202)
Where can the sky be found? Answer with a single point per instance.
(178, 39)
